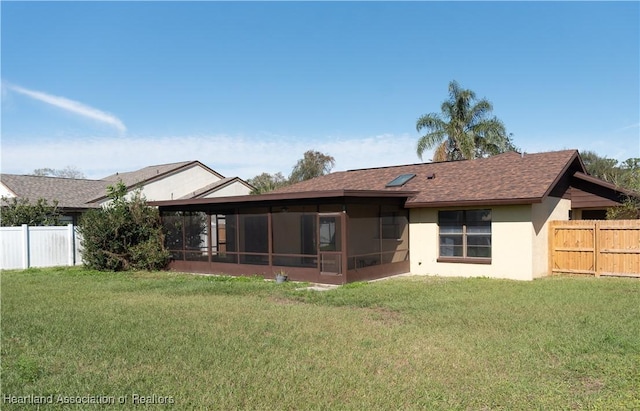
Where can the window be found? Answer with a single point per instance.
(594, 215)
(400, 180)
(392, 224)
(465, 234)
(330, 233)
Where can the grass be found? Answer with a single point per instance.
(197, 342)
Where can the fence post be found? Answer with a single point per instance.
(596, 247)
(551, 246)
(25, 246)
(71, 246)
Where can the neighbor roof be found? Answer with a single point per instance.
(82, 193)
(70, 193)
(147, 174)
(508, 178)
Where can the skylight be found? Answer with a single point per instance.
(400, 180)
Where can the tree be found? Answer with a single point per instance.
(630, 174)
(125, 234)
(16, 212)
(601, 167)
(313, 164)
(629, 210)
(629, 179)
(67, 172)
(464, 129)
(625, 175)
(266, 182)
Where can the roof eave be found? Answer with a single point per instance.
(604, 183)
(269, 197)
(475, 203)
(77, 209)
(566, 167)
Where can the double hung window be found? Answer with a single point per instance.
(465, 234)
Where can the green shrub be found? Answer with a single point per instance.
(126, 234)
(16, 212)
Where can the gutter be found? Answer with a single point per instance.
(468, 203)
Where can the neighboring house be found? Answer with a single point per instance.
(189, 179)
(484, 217)
(71, 194)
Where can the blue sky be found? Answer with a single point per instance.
(248, 87)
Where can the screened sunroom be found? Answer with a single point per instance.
(323, 237)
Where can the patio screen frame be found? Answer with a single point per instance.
(267, 252)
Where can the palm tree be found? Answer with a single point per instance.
(463, 130)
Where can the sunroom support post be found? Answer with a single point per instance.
(380, 242)
(270, 240)
(210, 238)
(344, 262)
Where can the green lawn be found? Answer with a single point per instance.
(196, 342)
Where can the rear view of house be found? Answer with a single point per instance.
(484, 217)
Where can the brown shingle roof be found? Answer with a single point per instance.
(69, 192)
(507, 178)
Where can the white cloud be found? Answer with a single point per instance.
(629, 127)
(237, 155)
(240, 156)
(70, 105)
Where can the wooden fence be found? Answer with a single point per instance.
(595, 247)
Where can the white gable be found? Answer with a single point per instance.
(234, 189)
(182, 183)
(5, 192)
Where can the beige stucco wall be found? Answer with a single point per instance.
(180, 184)
(234, 189)
(519, 235)
(186, 182)
(512, 245)
(550, 209)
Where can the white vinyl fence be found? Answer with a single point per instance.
(25, 246)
